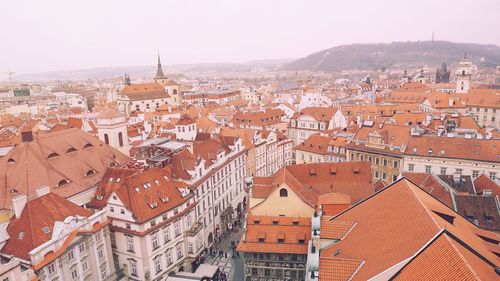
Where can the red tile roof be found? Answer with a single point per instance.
(27, 232)
(396, 223)
(262, 227)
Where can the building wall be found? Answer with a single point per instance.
(449, 166)
(274, 205)
(384, 166)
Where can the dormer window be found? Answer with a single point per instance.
(52, 155)
(62, 182)
(11, 160)
(88, 145)
(71, 149)
(90, 172)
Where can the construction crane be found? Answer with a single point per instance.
(10, 74)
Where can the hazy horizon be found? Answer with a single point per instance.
(61, 35)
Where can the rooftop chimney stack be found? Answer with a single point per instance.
(18, 204)
(27, 136)
(42, 190)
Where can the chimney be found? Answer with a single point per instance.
(27, 136)
(18, 204)
(42, 190)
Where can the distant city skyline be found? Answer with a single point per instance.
(40, 36)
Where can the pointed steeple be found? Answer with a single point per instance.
(159, 70)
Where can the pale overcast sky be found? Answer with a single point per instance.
(45, 35)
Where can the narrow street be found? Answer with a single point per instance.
(223, 256)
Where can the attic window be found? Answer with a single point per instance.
(88, 145)
(90, 172)
(281, 237)
(146, 185)
(71, 149)
(45, 230)
(118, 180)
(52, 155)
(355, 170)
(157, 181)
(295, 222)
(333, 171)
(312, 172)
(62, 182)
(283, 192)
(137, 189)
(262, 237)
(445, 217)
(275, 222)
(11, 161)
(20, 236)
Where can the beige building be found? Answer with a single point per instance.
(321, 148)
(382, 145)
(273, 150)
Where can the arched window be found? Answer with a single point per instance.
(62, 182)
(120, 138)
(283, 192)
(106, 138)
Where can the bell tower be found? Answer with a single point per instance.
(463, 75)
(160, 77)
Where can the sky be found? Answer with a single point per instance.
(50, 35)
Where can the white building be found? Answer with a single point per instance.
(453, 155)
(112, 129)
(463, 75)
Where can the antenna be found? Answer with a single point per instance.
(10, 74)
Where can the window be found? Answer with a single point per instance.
(377, 160)
(376, 174)
(384, 176)
(168, 257)
(106, 138)
(104, 271)
(100, 254)
(51, 268)
(458, 171)
(179, 250)
(428, 169)
(493, 176)
(443, 171)
(385, 162)
(154, 241)
(133, 268)
(283, 192)
(190, 248)
(98, 236)
(166, 234)
(411, 167)
(85, 266)
(71, 255)
(81, 247)
(130, 244)
(120, 138)
(177, 228)
(74, 274)
(395, 164)
(394, 178)
(475, 174)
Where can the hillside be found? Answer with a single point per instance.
(396, 54)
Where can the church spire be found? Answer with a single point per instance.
(159, 70)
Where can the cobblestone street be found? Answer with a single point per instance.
(233, 267)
